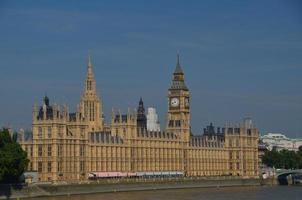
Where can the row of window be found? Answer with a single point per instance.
(40, 132)
(89, 108)
(174, 123)
(49, 132)
(40, 166)
(237, 131)
(59, 166)
(60, 150)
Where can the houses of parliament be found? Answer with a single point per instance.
(76, 145)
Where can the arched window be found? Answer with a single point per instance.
(49, 132)
(40, 132)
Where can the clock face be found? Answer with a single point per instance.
(174, 102)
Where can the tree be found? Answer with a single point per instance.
(284, 159)
(13, 160)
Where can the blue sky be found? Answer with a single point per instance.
(240, 58)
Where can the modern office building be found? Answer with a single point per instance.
(152, 120)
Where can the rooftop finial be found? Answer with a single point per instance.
(178, 69)
(46, 100)
(89, 59)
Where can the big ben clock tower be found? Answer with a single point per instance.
(178, 116)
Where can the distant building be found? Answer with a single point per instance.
(279, 141)
(152, 120)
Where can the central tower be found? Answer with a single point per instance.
(178, 115)
(90, 104)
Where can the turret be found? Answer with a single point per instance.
(141, 116)
(65, 112)
(123, 125)
(35, 112)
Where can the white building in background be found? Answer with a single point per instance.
(152, 120)
(280, 141)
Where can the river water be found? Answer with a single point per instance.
(230, 193)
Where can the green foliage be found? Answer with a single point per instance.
(284, 159)
(300, 149)
(13, 159)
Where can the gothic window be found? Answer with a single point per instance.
(48, 166)
(249, 132)
(83, 131)
(89, 111)
(98, 137)
(40, 150)
(40, 132)
(61, 130)
(237, 155)
(82, 150)
(49, 132)
(60, 148)
(230, 143)
(49, 150)
(93, 111)
(231, 166)
(237, 143)
(92, 137)
(171, 123)
(59, 167)
(85, 108)
(230, 131)
(82, 166)
(40, 166)
(177, 123)
(249, 142)
(88, 85)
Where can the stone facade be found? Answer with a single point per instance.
(68, 146)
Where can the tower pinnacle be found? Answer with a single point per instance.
(90, 104)
(89, 82)
(89, 65)
(141, 117)
(178, 69)
(178, 77)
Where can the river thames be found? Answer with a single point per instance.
(227, 193)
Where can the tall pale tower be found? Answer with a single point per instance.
(178, 116)
(90, 104)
